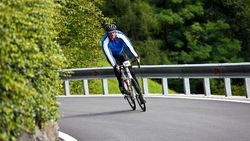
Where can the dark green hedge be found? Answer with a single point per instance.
(28, 56)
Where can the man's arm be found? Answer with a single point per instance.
(107, 52)
(128, 44)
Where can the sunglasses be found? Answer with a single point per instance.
(111, 32)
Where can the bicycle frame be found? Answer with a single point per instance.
(127, 77)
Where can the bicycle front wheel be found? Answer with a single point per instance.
(131, 102)
(139, 97)
(141, 102)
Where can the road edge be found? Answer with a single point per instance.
(66, 137)
(238, 99)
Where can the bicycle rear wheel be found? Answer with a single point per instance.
(131, 102)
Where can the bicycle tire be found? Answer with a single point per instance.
(141, 102)
(139, 96)
(130, 99)
(131, 102)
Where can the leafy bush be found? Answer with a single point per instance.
(80, 36)
(237, 87)
(28, 54)
(80, 33)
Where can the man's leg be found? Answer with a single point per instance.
(119, 79)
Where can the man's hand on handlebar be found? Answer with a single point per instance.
(117, 68)
(138, 60)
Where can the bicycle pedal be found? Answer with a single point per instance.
(125, 96)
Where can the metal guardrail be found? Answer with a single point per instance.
(185, 71)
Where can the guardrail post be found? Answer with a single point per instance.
(165, 86)
(145, 85)
(186, 86)
(66, 88)
(105, 86)
(207, 87)
(227, 84)
(247, 85)
(86, 87)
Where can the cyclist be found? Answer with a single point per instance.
(115, 46)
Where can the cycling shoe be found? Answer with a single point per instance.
(124, 91)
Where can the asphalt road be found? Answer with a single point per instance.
(166, 119)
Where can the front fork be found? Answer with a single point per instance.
(132, 89)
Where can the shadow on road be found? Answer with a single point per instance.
(101, 114)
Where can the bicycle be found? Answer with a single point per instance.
(133, 88)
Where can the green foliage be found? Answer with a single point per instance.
(95, 87)
(120, 6)
(198, 41)
(151, 49)
(208, 43)
(218, 88)
(136, 19)
(80, 34)
(167, 16)
(236, 13)
(154, 87)
(29, 55)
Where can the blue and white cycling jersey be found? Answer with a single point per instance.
(114, 48)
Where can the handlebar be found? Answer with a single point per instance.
(128, 63)
(138, 64)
